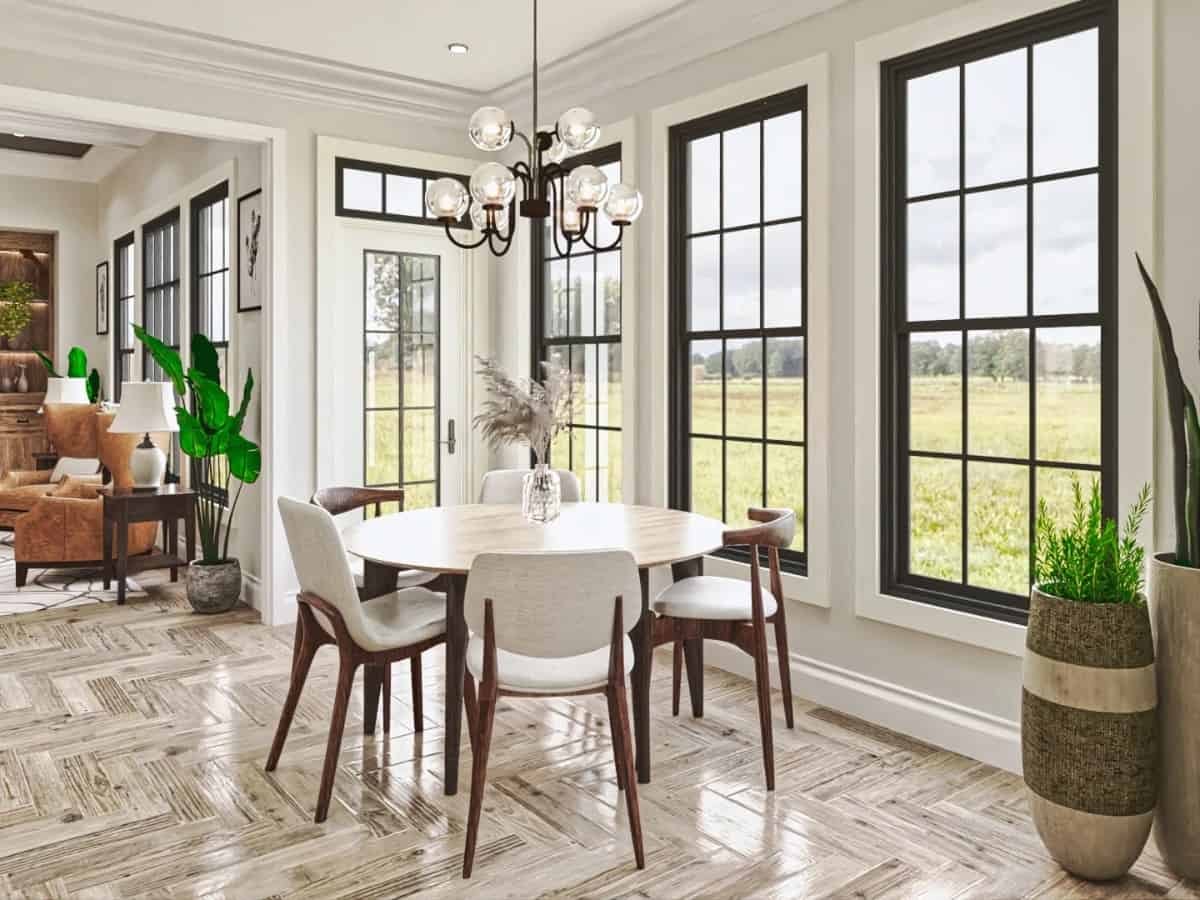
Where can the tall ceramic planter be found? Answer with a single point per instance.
(1088, 732)
(1175, 613)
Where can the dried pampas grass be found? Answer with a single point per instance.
(522, 410)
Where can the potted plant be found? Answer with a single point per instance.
(525, 411)
(1088, 726)
(211, 434)
(1175, 617)
(76, 368)
(15, 313)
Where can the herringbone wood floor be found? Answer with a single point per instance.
(132, 743)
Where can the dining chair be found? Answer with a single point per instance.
(552, 625)
(710, 607)
(504, 486)
(374, 633)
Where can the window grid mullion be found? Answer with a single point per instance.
(1029, 275)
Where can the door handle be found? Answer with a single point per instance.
(450, 440)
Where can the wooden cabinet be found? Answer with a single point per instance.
(22, 431)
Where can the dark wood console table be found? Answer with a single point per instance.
(166, 504)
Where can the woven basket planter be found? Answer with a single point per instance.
(1088, 731)
(1175, 612)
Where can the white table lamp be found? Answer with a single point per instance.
(146, 406)
(66, 390)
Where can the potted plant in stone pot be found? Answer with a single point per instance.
(1088, 729)
(211, 434)
(1175, 616)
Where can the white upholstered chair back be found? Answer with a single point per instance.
(504, 486)
(321, 564)
(552, 605)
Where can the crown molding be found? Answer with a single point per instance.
(683, 34)
(56, 29)
(61, 129)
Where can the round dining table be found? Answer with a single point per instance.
(447, 539)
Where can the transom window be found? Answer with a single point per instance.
(123, 337)
(738, 312)
(577, 324)
(371, 190)
(997, 281)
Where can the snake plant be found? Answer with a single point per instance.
(1185, 436)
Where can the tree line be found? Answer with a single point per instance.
(1004, 356)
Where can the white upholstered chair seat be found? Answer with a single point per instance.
(711, 597)
(547, 675)
(405, 578)
(398, 619)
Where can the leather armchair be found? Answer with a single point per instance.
(71, 427)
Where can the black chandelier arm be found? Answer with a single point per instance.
(521, 171)
(556, 223)
(584, 221)
(457, 243)
(505, 243)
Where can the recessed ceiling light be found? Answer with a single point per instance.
(457, 48)
(18, 134)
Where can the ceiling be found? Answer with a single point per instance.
(403, 37)
(110, 145)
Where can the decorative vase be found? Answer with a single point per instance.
(1175, 617)
(541, 494)
(1088, 732)
(214, 587)
(6, 382)
(22, 380)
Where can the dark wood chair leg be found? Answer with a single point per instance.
(483, 742)
(386, 698)
(337, 724)
(622, 737)
(418, 698)
(372, 685)
(693, 657)
(762, 678)
(676, 675)
(618, 752)
(303, 651)
(472, 708)
(22, 572)
(785, 668)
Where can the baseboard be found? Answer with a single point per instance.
(252, 594)
(930, 719)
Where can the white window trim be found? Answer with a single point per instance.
(1136, 231)
(813, 74)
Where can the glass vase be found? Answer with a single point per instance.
(541, 494)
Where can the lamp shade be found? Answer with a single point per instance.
(66, 390)
(145, 406)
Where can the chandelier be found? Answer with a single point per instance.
(575, 197)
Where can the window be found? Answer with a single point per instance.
(576, 320)
(160, 300)
(401, 411)
(369, 190)
(210, 297)
(123, 334)
(738, 312)
(998, 300)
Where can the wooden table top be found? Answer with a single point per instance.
(448, 538)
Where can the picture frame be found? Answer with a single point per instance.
(102, 308)
(251, 241)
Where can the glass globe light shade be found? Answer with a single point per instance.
(623, 205)
(577, 129)
(571, 221)
(493, 185)
(446, 198)
(586, 187)
(490, 128)
(479, 216)
(557, 152)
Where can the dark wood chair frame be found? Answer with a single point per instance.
(483, 716)
(687, 635)
(310, 637)
(376, 680)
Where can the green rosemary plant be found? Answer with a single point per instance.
(1090, 558)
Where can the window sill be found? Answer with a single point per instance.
(965, 628)
(799, 588)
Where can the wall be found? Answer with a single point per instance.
(69, 208)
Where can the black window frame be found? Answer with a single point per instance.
(208, 199)
(540, 258)
(342, 163)
(123, 300)
(895, 580)
(160, 288)
(681, 336)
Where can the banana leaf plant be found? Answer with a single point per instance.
(76, 368)
(211, 434)
(1185, 436)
